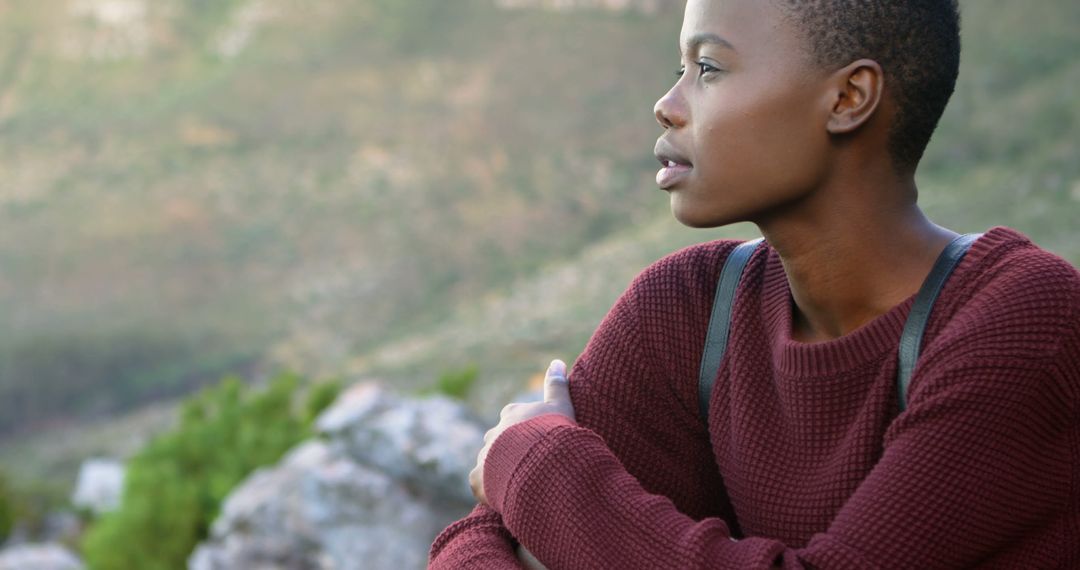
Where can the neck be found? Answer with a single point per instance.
(851, 254)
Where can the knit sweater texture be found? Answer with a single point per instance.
(807, 461)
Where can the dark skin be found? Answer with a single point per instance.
(801, 151)
(755, 130)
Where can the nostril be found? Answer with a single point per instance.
(661, 117)
(667, 111)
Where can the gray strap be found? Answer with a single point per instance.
(720, 321)
(911, 339)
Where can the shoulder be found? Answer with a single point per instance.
(668, 288)
(1009, 314)
(1009, 289)
(659, 324)
(688, 274)
(1003, 259)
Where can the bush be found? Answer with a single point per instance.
(174, 487)
(7, 509)
(456, 383)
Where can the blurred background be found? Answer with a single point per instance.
(441, 195)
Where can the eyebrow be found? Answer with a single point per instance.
(698, 39)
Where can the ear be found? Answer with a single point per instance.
(856, 95)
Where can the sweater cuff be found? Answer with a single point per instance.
(510, 449)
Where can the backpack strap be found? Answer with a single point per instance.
(720, 321)
(911, 338)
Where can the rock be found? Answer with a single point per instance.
(388, 474)
(430, 444)
(61, 526)
(100, 485)
(48, 556)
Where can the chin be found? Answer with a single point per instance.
(699, 222)
(692, 222)
(696, 217)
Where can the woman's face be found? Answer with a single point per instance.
(745, 124)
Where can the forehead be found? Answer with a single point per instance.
(747, 26)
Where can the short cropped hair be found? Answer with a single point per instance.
(916, 42)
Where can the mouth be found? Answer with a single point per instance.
(674, 166)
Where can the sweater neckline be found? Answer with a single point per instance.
(851, 351)
(830, 357)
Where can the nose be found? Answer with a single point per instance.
(670, 110)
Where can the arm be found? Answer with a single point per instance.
(967, 470)
(478, 541)
(612, 385)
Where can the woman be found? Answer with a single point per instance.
(809, 120)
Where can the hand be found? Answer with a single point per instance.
(556, 401)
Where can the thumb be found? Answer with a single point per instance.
(556, 386)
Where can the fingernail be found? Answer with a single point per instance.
(557, 368)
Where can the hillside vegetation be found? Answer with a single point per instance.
(389, 187)
(187, 183)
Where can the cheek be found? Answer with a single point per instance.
(795, 138)
(771, 144)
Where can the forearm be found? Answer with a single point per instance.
(605, 519)
(478, 541)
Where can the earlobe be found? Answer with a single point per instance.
(858, 91)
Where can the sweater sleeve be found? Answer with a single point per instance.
(611, 383)
(477, 541)
(986, 451)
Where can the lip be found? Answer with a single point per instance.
(675, 165)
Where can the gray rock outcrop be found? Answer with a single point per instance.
(99, 486)
(49, 556)
(387, 474)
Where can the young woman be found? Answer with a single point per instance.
(807, 118)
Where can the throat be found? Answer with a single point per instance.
(831, 325)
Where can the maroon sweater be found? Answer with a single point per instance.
(807, 462)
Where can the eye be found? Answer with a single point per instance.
(706, 67)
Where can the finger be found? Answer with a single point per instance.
(556, 386)
(476, 485)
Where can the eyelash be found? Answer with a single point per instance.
(704, 67)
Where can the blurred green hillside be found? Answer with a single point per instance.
(186, 184)
(389, 187)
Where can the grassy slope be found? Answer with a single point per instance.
(1006, 150)
(344, 180)
(344, 190)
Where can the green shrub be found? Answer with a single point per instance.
(29, 502)
(319, 397)
(174, 487)
(456, 383)
(7, 509)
